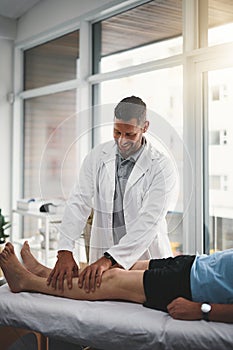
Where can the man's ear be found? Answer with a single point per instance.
(146, 126)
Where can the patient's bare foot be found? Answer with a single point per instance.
(14, 272)
(31, 263)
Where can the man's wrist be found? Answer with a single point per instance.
(63, 252)
(110, 258)
(206, 309)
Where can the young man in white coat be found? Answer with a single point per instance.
(129, 185)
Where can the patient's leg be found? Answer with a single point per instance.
(32, 264)
(116, 283)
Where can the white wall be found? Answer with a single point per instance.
(7, 28)
(6, 75)
(7, 36)
(50, 14)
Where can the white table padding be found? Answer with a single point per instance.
(109, 324)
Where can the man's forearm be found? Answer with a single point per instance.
(221, 313)
(184, 309)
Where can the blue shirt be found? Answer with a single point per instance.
(211, 278)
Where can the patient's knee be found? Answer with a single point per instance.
(112, 275)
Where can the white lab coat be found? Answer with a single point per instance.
(148, 193)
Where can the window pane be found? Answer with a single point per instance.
(50, 158)
(166, 124)
(52, 62)
(118, 40)
(220, 226)
(220, 21)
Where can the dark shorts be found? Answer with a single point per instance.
(167, 279)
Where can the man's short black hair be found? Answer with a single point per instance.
(131, 107)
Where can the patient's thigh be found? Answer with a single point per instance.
(126, 285)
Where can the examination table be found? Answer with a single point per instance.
(106, 325)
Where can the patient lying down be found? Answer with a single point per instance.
(177, 285)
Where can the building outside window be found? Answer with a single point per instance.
(220, 228)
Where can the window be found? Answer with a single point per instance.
(220, 21)
(119, 43)
(52, 62)
(50, 123)
(48, 127)
(220, 218)
(50, 131)
(166, 124)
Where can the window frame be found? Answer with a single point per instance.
(196, 59)
(213, 58)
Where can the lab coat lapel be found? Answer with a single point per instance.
(140, 168)
(109, 157)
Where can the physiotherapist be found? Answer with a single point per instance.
(129, 185)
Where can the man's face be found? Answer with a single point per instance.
(128, 136)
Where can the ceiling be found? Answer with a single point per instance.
(14, 9)
(153, 22)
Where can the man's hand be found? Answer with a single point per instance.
(183, 309)
(91, 276)
(65, 267)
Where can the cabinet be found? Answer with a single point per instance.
(46, 219)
